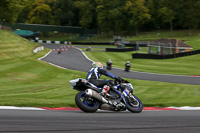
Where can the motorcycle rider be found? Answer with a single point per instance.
(127, 66)
(109, 64)
(93, 77)
(94, 74)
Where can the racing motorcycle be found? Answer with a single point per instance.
(109, 66)
(90, 99)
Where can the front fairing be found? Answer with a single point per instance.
(127, 89)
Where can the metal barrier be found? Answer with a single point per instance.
(120, 49)
(41, 27)
(170, 56)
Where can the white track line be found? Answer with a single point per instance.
(160, 109)
(19, 108)
(45, 55)
(186, 108)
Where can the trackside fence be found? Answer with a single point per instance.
(170, 56)
(48, 28)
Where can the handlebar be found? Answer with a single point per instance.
(119, 80)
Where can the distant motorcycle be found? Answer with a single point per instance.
(109, 66)
(127, 66)
(90, 99)
(127, 69)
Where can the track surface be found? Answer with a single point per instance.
(75, 60)
(18, 121)
(51, 121)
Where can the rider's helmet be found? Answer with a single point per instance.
(97, 64)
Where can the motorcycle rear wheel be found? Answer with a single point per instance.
(86, 104)
(135, 109)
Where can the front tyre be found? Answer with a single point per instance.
(134, 104)
(86, 103)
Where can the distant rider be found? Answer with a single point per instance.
(127, 66)
(109, 64)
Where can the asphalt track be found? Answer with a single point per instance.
(74, 59)
(19, 121)
(54, 121)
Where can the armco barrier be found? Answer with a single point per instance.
(38, 49)
(170, 56)
(51, 42)
(93, 43)
(120, 49)
(41, 27)
(108, 43)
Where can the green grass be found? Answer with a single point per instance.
(26, 81)
(166, 94)
(178, 66)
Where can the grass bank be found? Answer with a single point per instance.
(26, 81)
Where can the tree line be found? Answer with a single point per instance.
(117, 16)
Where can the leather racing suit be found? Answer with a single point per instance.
(95, 73)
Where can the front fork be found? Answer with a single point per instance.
(129, 98)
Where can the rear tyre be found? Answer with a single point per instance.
(85, 103)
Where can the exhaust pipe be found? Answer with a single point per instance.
(106, 106)
(95, 95)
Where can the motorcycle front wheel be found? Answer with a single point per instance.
(134, 104)
(86, 103)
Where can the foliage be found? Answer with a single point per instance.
(153, 5)
(190, 12)
(115, 16)
(110, 15)
(23, 16)
(64, 11)
(87, 12)
(137, 12)
(10, 9)
(41, 12)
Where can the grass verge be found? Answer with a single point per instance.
(26, 81)
(188, 65)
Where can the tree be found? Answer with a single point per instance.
(110, 15)
(138, 13)
(154, 22)
(64, 11)
(10, 9)
(87, 13)
(167, 12)
(23, 16)
(41, 13)
(190, 14)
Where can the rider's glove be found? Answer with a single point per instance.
(119, 79)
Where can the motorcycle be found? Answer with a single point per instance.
(90, 99)
(109, 66)
(127, 69)
(127, 66)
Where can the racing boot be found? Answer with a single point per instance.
(105, 91)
